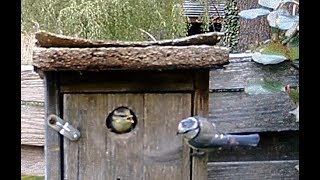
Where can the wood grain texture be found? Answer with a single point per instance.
(282, 145)
(130, 58)
(52, 138)
(239, 112)
(31, 85)
(162, 113)
(85, 158)
(252, 170)
(126, 81)
(240, 73)
(201, 108)
(235, 75)
(101, 154)
(125, 151)
(47, 39)
(32, 161)
(32, 125)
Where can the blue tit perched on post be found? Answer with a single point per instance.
(200, 134)
(121, 120)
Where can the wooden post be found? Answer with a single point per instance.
(52, 139)
(200, 107)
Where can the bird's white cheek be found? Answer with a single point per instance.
(191, 134)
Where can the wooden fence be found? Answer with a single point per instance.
(233, 110)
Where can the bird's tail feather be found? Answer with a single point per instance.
(244, 140)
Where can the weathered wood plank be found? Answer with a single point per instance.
(53, 140)
(32, 125)
(101, 154)
(32, 161)
(85, 158)
(200, 107)
(162, 113)
(252, 170)
(130, 58)
(31, 85)
(124, 81)
(124, 152)
(238, 74)
(273, 145)
(240, 112)
(47, 39)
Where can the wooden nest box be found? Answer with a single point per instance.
(159, 83)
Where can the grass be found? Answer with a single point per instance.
(32, 177)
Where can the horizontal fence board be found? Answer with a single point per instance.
(253, 170)
(241, 112)
(272, 146)
(32, 161)
(31, 85)
(32, 125)
(240, 74)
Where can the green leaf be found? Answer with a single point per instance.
(294, 42)
(272, 85)
(273, 4)
(293, 94)
(290, 32)
(280, 19)
(268, 58)
(264, 87)
(293, 53)
(253, 13)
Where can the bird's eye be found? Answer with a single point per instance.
(129, 117)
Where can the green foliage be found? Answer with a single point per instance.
(272, 85)
(294, 95)
(277, 48)
(43, 12)
(205, 18)
(232, 25)
(273, 48)
(284, 42)
(107, 19)
(264, 86)
(32, 178)
(284, 28)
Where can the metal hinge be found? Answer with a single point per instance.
(63, 127)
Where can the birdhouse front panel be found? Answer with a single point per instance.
(149, 151)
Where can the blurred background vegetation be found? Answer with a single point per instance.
(32, 177)
(106, 19)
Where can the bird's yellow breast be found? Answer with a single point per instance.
(121, 125)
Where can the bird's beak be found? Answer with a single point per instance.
(130, 119)
(179, 132)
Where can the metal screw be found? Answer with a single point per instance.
(52, 121)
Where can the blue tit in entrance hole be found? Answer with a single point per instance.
(202, 135)
(121, 120)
